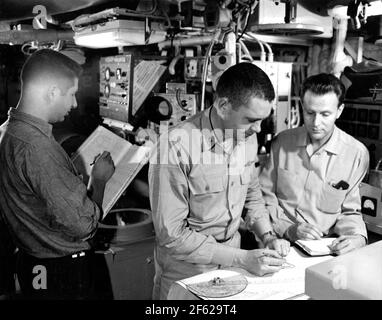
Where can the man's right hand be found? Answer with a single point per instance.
(103, 167)
(260, 261)
(303, 231)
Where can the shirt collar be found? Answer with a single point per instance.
(209, 140)
(208, 137)
(43, 126)
(332, 145)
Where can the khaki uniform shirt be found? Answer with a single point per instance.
(296, 178)
(198, 190)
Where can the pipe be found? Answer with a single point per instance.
(185, 42)
(43, 35)
(171, 67)
(270, 52)
(261, 44)
(245, 50)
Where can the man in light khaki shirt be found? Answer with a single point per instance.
(311, 180)
(202, 177)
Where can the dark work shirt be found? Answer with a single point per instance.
(43, 199)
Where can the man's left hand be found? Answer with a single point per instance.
(280, 245)
(347, 243)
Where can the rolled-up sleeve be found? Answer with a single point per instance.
(69, 210)
(169, 198)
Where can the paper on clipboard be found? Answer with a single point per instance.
(128, 160)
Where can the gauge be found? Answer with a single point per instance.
(119, 73)
(106, 91)
(107, 74)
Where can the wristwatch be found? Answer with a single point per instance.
(271, 233)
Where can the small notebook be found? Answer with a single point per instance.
(316, 247)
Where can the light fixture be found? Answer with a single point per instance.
(118, 33)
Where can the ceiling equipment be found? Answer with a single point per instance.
(288, 18)
(118, 27)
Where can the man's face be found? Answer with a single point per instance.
(65, 102)
(247, 118)
(320, 113)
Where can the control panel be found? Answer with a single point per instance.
(115, 87)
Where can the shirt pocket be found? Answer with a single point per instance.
(206, 199)
(246, 176)
(331, 199)
(286, 184)
(206, 185)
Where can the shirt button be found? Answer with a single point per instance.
(232, 183)
(232, 207)
(207, 188)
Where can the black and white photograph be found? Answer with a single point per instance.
(198, 156)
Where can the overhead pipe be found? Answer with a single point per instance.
(186, 42)
(13, 37)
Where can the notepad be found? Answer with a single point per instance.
(316, 247)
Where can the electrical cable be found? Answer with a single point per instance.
(261, 44)
(245, 24)
(205, 65)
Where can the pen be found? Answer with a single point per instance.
(306, 221)
(287, 265)
(133, 133)
(300, 214)
(95, 159)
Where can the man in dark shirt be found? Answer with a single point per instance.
(44, 202)
(7, 253)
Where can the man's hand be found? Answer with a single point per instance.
(303, 231)
(280, 245)
(344, 244)
(259, 261)
(103, 167)
(144, 135)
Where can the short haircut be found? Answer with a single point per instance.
(48, 65)
(324, 83)
(242, 81)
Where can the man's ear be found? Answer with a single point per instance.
(339, 110)
(224, 107)
(52, 93)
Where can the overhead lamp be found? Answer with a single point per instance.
(117, 33)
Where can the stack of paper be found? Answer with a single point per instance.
(285, 284)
